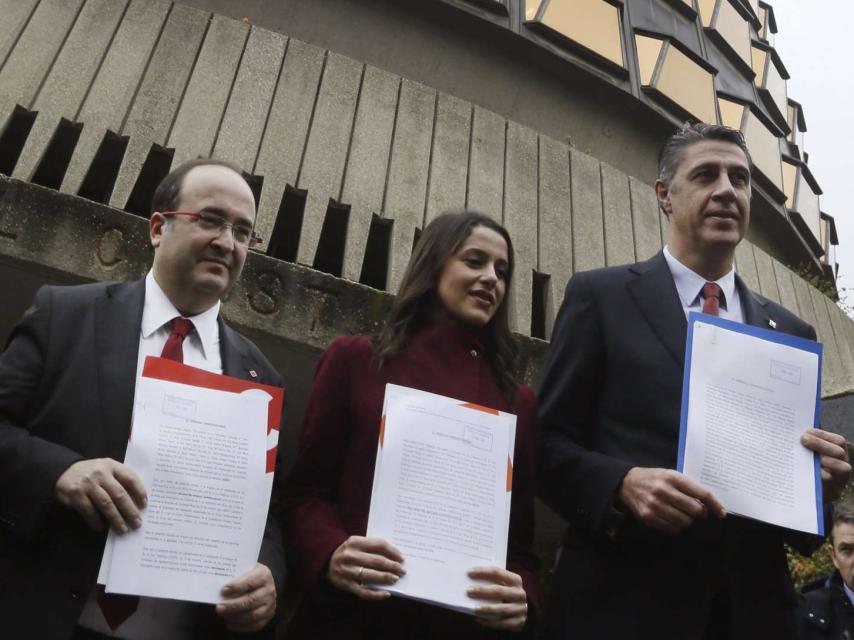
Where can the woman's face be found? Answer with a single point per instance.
(473, 280)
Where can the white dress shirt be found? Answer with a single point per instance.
(157, 618)
(690, 285)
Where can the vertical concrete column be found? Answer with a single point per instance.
(555, 223)
(767, 278)
(587, 224)
(115, 85)
(245, 117)
(16, 14)
(846, 357)
(201, 110)
(617, 213)
(450, 157)
(645, 219)
(485, 189)
(70, 77)
(787, 290)
(367, 167)
(156, 102)
(832, 365)
(745, 264)
(287, 129)
(407, 176)
(521, 219)
(322, 171)
(32, 57)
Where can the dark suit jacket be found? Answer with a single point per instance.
(610, 401)
(66, 393)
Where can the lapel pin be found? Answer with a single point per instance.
(253, 373)
(772, 324)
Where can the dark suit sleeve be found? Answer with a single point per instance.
(29, 465)
(577, 482)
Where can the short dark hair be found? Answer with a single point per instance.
(168, 192)
(688, 134)
(843, 511)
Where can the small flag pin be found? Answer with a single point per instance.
(772, 324)
(253, 373)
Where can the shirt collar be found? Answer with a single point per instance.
(689, 284)
(848, 592)
(157, 310)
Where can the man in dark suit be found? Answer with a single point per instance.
(650, 553)
(67, 382)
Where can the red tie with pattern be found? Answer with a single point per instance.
(712, 296)
(118, 607)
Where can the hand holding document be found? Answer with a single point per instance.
(441, 492)
(204, 445)
(748, 395)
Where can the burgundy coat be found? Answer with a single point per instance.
(329, 489)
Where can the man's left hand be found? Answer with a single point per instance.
(249, 602)
(833, 452)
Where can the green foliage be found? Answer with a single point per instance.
(805, 569)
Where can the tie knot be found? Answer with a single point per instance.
(712, 290)
(182, 327)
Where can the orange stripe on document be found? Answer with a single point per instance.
(478, 407)
(509, 474)
(382, 430)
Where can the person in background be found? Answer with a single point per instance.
(447, 333)
(826, 610)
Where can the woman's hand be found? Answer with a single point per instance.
(510, 611)
(362, 560)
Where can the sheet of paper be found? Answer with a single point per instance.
(441, 492)
(202, 454)
(748, 395)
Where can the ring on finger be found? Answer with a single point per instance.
(359, 575)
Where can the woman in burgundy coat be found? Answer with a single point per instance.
(447, 333)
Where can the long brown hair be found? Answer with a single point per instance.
(417, 298)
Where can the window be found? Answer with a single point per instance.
(764, 148)
(732, 113)
(808, 206)
(593, 24)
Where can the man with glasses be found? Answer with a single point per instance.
(66, 395)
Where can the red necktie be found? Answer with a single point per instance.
(174, 349)
(712, 296)
(118, 607)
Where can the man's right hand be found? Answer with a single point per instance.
(103, 490)
(667, 500)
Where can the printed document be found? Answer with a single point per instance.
(441, 492)
(203, 455)
(748, 396)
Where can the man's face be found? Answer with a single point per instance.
(708, 199)
(194, 266)
(842, 551)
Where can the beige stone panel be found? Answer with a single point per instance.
(16, 14)
(734, 30)
(764, 149)
(745, 265)
(767, 277)
(201, 110)
(449, 163)
(486, 163)
(322, 171)
(160, 93)
(239, 137)
(838, 321)
(407, 176)
(555, 223)
(32, 57)
(588, 242)
(367, 167)
(520, 220)
(805, 305)
(786, 288)
(70, 77)
(832, 372)
(648, 50)
(287, 130)
(594, 24)
(114, 87)
(617, 213)
(688, 84)
(732, 113)
(645, 217)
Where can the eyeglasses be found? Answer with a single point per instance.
(216, 224)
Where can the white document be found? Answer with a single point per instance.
(749, 395)
(201, 454)
(441, 492)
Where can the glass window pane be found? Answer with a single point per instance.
(776, 85)
(734, 30)
(758, 56)
(594, 24)
(808, 206)
(731, 113)
(648, 50)
(531, 8)
(688, 85)
(790, 178)
(707, 10)
(790, 119)
(764, 148)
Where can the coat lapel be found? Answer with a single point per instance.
(118, 317)
(755, 309)
(655, 294)
(235, 361)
